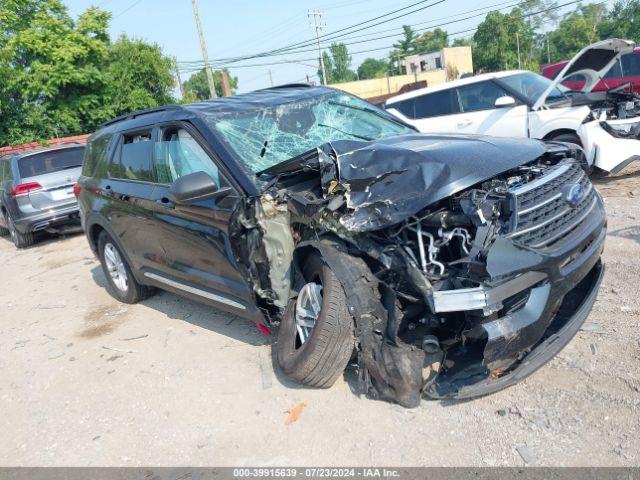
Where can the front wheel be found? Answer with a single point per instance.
(316, 336)
(122, 283)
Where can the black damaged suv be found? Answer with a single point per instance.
(448, 266)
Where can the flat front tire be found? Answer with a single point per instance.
(122, 284)
(316, 336)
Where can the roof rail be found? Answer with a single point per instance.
(290, 85)
(138, 113)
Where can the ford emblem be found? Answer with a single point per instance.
(573, 194)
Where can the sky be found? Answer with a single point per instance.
(234, 28)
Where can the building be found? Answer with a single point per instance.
(449, 63)
(449, 58)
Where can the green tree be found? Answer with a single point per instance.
(622, 21)
(138, 76)
(196, 88)
(337, 63)
(433, 41)
(372, 68)
(575, 31)
(496, 42)
(408, 45)
(463, 42)
(52, 69)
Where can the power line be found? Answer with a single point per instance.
(126, 9)
(194, 64)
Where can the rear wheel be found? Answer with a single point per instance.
(316, 336)
(122, 283)
(20, 240)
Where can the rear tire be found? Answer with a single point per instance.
(20, 240)
(122, 284)
(323, 356)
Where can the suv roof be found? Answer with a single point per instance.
(265, 97)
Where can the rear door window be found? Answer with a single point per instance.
(50, 162)
(436, 104)
(615, 71)
(134, 160)
(480, 96)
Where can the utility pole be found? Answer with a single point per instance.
(179, 81)
(548, 51)
(270, 78)
(317, 25)
(203, 46)
(518, 44)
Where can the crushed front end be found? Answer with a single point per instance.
(462, 276)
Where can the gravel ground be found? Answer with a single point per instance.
(86, 381)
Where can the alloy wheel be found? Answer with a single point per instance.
(116, 268)
(308, 306)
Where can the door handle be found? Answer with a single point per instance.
(464, 123)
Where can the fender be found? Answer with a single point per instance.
(543, 122)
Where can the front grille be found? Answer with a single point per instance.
(542, 216)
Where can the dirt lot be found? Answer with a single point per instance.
(87, 381)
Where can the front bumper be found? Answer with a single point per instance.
(555, 291)
(51, 220)
(607, 151)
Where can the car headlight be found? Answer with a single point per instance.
(622, 130)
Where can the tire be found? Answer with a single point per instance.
(322, 358)
(129, 290)
(20, 240)
(567, 137)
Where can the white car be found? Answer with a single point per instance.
(525, 104)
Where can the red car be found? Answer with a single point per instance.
(626, 70)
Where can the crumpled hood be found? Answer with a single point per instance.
(389, 180)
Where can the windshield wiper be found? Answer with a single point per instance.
(355, 135)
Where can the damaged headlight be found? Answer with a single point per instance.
(622, 130)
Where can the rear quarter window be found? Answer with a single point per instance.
(96, 157)
(50, 162)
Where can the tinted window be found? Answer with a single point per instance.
(436, 104)
(631, 65)
(49, 162)
(178, 154)
(135, 158)
(480, 96)
(405, 107)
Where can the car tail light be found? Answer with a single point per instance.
(77, 188)
(25, 189)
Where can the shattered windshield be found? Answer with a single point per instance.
(270, 135)
(532, 85)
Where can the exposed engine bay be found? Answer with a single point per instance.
(460, 265)
(613, 104)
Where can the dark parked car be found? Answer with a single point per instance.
(36, 191)
(447, 265)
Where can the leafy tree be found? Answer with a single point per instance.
(622, 21)
(463, 42)
(372, 68)
(138, 75)
(433, 41)
(575, 31)
(196, 88)
(408, 45)
(337, 63)
(539, 12)
(496, 42)
(52, 76)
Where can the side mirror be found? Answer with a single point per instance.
(192, 188)
(505, 101)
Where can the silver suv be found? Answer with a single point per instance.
(36, 191)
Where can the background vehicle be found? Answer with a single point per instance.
(309, 209)
(626, 70)
(36, 191)
(525, 104)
